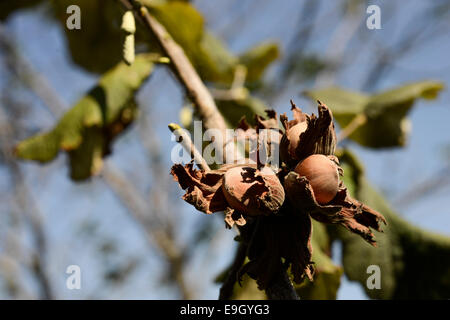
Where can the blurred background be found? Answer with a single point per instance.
(124, 223)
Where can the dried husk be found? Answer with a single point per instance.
(319, 136)
(259, 142)
(343, 209)
(278, 243)
(205, 190)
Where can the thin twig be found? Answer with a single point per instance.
(436, 182)
(185, 140)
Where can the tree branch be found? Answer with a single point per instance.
(182, 68)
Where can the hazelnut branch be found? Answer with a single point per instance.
(183, 69)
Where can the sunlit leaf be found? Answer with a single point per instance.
(258, 58)
(97, 46)
(222, 60)
(303, 66)
(248, 290)
(87, 129)
(233, 110)
(387, 124)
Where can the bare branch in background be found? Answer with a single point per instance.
(23, 70)
(135, 203)
(142, 212)
(414, 35)
(433, 184)
(27, 206)
(305, 25)
(340, 39)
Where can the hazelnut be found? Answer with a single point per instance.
(323, 176)
(253, 192)
(291, 139)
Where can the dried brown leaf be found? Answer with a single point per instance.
(203, 189)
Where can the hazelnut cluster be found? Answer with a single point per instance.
(273, 209)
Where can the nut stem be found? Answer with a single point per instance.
(185, 140)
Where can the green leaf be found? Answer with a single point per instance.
(222, 61)
(327, 277)
(209, 55)
(233, 110)
(182, 21)
(304, 66)
(248, 291)
(186, 26)
(342, 102)
(386, 125)
(97, 46)
(87, 129)
(258, 58)
(414, 263)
